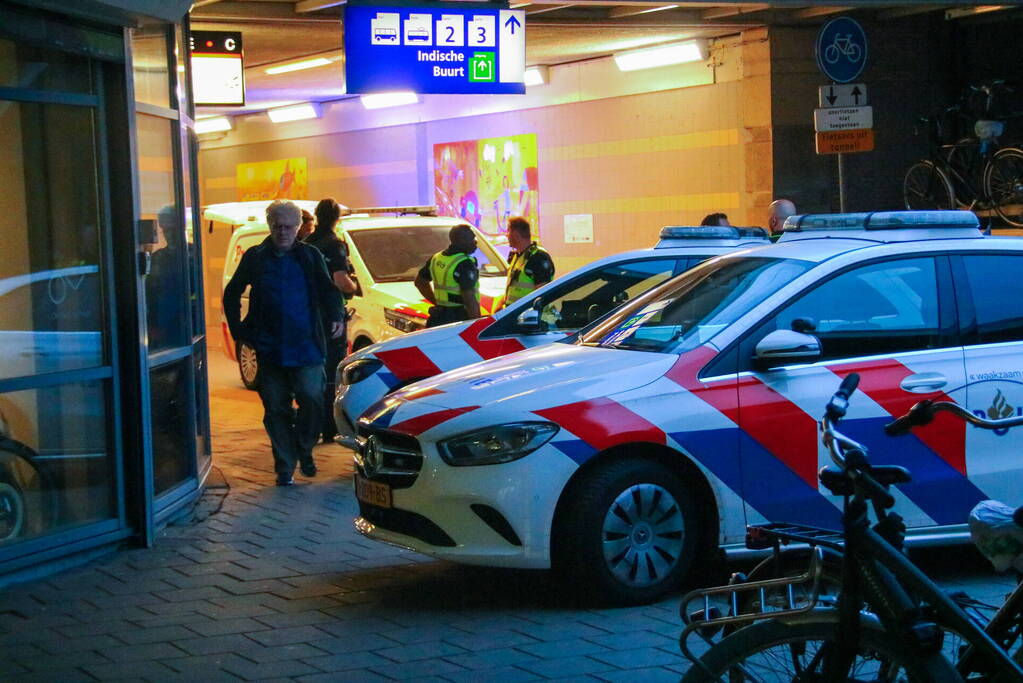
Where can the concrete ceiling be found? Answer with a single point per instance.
(276, 32)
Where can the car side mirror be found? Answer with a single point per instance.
(529, 320)
(783, 347)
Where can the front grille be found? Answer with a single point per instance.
(406, 523)
(400, 458)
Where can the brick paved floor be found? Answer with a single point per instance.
(276, 585)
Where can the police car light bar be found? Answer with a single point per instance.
(400, 210)
(882, 220)
(706, 232)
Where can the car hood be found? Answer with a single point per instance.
(406, 294)
(553, 374)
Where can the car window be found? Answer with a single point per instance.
(882, 308)
(397, 254)
(997, 299)
(690, 309)
(598, 292)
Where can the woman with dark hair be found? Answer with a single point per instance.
(306, 229)
(324, 238)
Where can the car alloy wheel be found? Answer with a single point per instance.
(12, 511)
(248, 366)
(643, 535)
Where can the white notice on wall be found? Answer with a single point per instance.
(578, 228)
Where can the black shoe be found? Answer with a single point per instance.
(309, 470)
(285, 481)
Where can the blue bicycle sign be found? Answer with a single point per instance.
(842, 49)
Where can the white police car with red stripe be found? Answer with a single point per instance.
(626, 457)
(547, 315)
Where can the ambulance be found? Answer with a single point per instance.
(549, 314)
(626, 456)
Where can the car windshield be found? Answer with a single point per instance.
(397, 254)
(689, 310)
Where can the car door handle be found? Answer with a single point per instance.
(923, 382)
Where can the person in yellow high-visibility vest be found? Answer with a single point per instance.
(450, 280)
(529, 265)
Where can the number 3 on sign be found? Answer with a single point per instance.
(482, 31)
(451, 30)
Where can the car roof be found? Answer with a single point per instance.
(240, 213)
(361, 222)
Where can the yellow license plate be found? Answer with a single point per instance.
(372, 492)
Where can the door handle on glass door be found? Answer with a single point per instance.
(923, 382)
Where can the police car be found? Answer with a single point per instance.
(385, 251)
(544, 316)
(627, 456)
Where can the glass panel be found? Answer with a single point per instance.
(172, 424)
(202, 433)
(37, 68)
(55, 468)
(166, 286)
(397, 254)
(181, 61)
(193, 237)
(997, 299)
(51, 296)
(149, 65)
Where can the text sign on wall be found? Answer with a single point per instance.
(217, 68)
(434, 50)
(845, 141)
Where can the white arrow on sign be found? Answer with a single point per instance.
(843, 118)
(844, 95)
(512, 45)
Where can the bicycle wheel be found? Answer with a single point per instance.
(775, 651)
(927, 187)
(1003, 183)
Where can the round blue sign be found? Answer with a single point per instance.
(842, 49)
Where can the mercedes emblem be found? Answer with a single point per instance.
(372, 459)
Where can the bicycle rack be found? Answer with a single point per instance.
(763, 607)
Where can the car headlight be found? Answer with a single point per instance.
(493, 445)
(358, 370)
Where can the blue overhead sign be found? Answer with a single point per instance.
(842, 49)
(434, 50)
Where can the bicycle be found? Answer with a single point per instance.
(889, 620)
(975, 172)
(842, 46)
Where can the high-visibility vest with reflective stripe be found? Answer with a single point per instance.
(519, 283)
(445, 287)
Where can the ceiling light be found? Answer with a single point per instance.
(657, 9)
(662, 55)
(297, 112)
(536, 75)
(212, 125)
(298, 66)
(389, 99)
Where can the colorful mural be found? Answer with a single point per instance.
(277, 179)
(486, 181)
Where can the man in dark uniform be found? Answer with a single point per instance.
(530, 266)
(450, 280)
(294, 308)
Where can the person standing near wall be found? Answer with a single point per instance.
(777, 212)
(530, 266)
(294, 309)
(715, 219)
(450, 280)
(334, 250)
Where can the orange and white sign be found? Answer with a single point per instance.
(845, 141)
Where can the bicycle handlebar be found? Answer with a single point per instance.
(923, 412)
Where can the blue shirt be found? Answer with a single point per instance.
(288, 340)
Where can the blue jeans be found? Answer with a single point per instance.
(293, 433)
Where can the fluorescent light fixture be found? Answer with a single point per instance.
(536, 75)
(212, 125)
(298, 66)
(297, 112)
(389, 99)
(662, 55)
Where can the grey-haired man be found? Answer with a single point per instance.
(293, 308)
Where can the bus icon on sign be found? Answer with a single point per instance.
(481, 67)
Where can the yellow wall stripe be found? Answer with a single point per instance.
(662, 143)
(714, 201)
(342, 172)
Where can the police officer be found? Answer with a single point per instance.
(530, 264)
(455, 278)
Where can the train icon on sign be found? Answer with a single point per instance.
(417, 35)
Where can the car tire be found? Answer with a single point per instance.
(12, 512)
(248, 366)
(628, 532)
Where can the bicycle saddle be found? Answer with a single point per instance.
(840, 484)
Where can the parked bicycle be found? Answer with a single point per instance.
(889, 621)
(976, 172)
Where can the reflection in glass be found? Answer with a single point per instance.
(172, 425)
(192, 238)
(55, 468)
(149, 65)
(166, 285)
(202, 434)
(51, 294)
(37, 68)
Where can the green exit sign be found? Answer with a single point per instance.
(481, 67)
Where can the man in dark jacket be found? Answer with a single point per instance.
(293, 309)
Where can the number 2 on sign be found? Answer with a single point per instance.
(451, 34)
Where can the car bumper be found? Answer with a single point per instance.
(492, 515)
